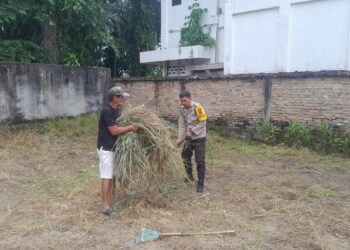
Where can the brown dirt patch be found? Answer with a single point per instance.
(274, 198)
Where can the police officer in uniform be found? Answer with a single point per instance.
(192, 132)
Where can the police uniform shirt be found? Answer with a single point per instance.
(192, 120)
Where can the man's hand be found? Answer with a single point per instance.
(188, 136)
(133, 128)
(178, 144)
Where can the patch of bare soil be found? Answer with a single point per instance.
(50, 200)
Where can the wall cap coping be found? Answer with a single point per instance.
(51, 65)
(258, 76)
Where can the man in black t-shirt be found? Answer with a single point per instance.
(108, 131)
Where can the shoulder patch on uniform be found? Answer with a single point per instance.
(200, 113)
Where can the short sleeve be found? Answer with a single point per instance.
(108, 118)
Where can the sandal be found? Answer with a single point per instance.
(107, 211)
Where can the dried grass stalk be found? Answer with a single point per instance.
(146, 162)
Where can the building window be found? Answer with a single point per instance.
(177, 71)
(176, 2)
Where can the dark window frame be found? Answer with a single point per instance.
(176, 2)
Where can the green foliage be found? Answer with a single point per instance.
(88, 30)
(21, 51)
(269, 132)
(12, 10)
(80, 32)
(322, 138)
(71, 60)
(192, 33)
(136, 28)
(156, 71)
(216, 128)
(342, 143)
(297, 134)
(81, 126)
(319, 192)
(346, 145)
(220, 129)
(59, 28)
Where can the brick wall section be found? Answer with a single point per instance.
(225, 100)
(238, 100)
(168, 98)
(312, 100)
(142, 92)
(229, 98)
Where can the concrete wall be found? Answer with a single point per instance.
(268, 36)
(244, 100)
(39, 91)
(286, 35)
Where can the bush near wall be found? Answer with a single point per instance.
(321, 138)
(297, 135)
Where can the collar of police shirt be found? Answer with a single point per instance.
(193, 105)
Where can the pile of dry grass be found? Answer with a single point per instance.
(147, 164)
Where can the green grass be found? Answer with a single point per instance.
(252, 227)
(319, 192)
(6, 234)
(65, 185)
(81, 126)
(221, 151)
(35, 225)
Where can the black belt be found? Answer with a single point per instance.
(202, 139)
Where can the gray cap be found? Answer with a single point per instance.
(117, 91)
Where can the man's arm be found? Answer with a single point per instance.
(182, 131)
(112, 127)
(199, 128)
(202, 121)
(115, 130)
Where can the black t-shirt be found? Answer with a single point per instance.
(108, 118)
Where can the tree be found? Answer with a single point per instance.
(136, 29)
(54, 30)
(19, 33)
(107, 33)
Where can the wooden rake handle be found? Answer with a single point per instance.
(197, 233)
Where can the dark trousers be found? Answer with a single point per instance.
(198, 147)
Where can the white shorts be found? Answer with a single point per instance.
(107, 169)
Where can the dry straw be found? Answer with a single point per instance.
(147, 165)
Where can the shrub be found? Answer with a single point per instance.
(346, 147)
(342, 144)
(297, 134)
(269, 132)
(21, 51)
(323, 138)
(192, 33)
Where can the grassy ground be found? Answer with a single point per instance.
(274, 197)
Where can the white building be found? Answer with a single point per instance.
(255, 36)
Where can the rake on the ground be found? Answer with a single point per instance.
(148, 234)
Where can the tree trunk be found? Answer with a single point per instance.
(49, 40)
